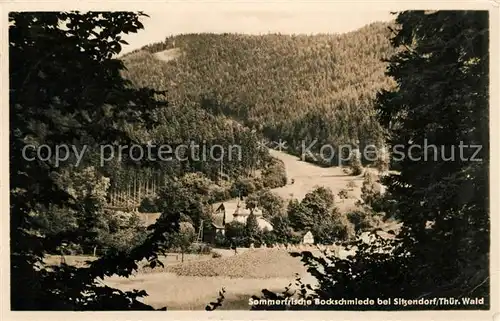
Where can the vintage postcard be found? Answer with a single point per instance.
(238, 160)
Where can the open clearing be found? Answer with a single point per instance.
(168, 55)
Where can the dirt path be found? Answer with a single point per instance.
(307, 176)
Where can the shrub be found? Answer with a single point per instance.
(333, 228)
(243, 187)
(269, 237)
(274, 175)
(221, 240)
(258, 183)
(355, 163)
(218, 194)
(371, 190)
(236, 234)
(70, 249)
(343, 194)
(270, 203)
(148, 205)
(363, 220)
(199, 249)
(382, 162)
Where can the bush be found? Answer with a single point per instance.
(219, 194)
(363, 221)
(355, 164)
(221, 240)
(236, 234)
(258, 183)
(274, 175)
(333, 228)
(148, 205)
(356, 169)
(371, 190)
(199, 249)
(383, 161)
(70, 249)
(121, 232)
(269, 237)
(243, 187)
(343, 194)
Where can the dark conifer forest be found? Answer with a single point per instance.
(294, 88)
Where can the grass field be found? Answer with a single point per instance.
(198, 280)
(194, 293)
(193, 284)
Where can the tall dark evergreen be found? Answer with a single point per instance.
(443, 80)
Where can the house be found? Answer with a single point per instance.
(211, 231)
(238, 212)
(308, 238)
(229, 212)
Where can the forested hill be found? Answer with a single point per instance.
(289, 87)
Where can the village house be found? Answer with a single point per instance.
(308, 238)
(224, 214)
(228, 212)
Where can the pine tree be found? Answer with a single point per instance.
(252, 226)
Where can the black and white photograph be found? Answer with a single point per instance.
(250, 157)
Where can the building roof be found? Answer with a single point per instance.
(218, 226)
(237, 211)
(263, 223)
(148, 219)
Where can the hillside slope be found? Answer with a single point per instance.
(295, 88)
